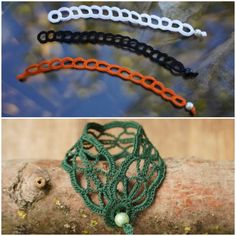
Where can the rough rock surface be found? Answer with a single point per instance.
(179, 10)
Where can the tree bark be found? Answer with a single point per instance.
(196, 197)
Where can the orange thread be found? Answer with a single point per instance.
(79, 63)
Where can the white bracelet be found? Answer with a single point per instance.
(123, 15)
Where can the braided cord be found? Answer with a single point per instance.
(123, 15)
(135, 165)
(124, 42)
(79, 63)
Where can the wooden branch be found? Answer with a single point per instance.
(196, 197)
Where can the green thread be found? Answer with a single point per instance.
(118, 164)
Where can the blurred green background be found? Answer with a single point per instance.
(84, 93)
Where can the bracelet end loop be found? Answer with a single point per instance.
(188, 73)
(128, 229)
(200, 33)
(193, 111)
(21, 77)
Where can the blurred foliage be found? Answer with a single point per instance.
(84, 93)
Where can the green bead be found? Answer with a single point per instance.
(121, 219)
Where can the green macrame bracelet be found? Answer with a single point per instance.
(117, 163)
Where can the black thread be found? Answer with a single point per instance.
(124, 42)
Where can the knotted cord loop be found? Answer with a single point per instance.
(123, 15)
(128, 229)
(124, 42)
(79, 63)
(129, 155)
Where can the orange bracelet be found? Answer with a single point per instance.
(148, 82)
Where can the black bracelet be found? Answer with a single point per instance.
(124, 42)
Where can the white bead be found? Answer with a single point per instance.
(121, 219)
(189, 106)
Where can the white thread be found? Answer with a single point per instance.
(54, 19)
(123, 15)
(69, 14)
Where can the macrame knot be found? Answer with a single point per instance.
(134, 170)
(189, 74)
(128, 229)
(200, 33)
